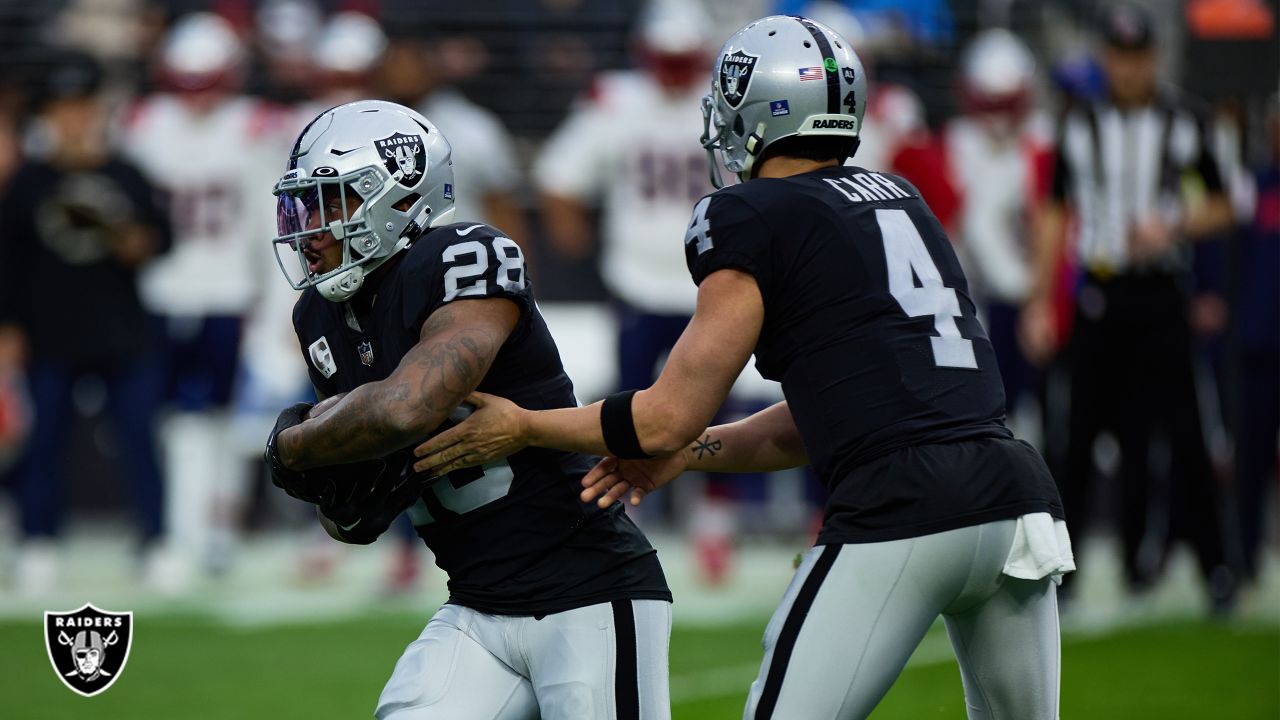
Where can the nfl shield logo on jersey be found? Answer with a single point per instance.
(366, 353)
(735, 75)
(403, 154)
(88, 647)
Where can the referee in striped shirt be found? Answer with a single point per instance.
(1135, 176)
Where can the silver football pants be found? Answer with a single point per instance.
(606, 661)
(854, 613)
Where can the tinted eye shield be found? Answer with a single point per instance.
(306, 214)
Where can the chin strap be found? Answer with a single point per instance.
(342, 286)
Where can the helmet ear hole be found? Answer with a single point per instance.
(406, 203)
(738, 128)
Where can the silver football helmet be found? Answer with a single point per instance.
(389, 157)
(781, 76)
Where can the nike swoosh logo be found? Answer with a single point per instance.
(340, 153)
(464, 233)
(348, 528)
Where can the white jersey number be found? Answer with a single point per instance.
(493, 485)
(467, 280)
(699, 227)
(476, 487)
(906, 255)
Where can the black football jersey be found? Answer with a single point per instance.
(870, 329)
(512, 536)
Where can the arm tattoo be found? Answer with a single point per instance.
(449, 361)
(706, 445)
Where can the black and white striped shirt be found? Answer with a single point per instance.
(1116, 167)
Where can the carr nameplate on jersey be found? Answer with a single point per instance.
(322, 357)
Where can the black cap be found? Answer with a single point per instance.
(70, 75)
(1126, 26)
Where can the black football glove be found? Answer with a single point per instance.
(370, 495)
(311, 487)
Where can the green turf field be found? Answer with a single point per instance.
(196, 669)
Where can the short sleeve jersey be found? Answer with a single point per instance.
(870, 329)
(512, 536)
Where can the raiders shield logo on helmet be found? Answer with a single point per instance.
(88, 647)
(735, 75)
(403, 154)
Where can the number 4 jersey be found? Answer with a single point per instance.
(870, 330)
(512, 536)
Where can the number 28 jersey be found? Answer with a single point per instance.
(869, 327)
(513, 536)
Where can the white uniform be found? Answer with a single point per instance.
(996, 178)
(483, 153)
(894, 115)
(635, 150)
(606, 661)
(218, 169)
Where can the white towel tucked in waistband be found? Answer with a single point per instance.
(1041, 548)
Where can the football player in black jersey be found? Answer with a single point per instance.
(845, 287)
(557, 607)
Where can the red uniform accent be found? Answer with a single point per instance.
(923, 162)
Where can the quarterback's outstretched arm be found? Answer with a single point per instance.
(667, 416)
(763, 442)
(456, 347)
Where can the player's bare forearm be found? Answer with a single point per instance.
(1046, 249)
(763, 442)
(668, 416)
(1212, 216)
(694, 382)
(569, 230)
(457, 346)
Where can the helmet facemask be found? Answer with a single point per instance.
(727, 138)
(311, 212)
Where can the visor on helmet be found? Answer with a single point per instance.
(312, 210)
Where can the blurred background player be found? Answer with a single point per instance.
(1120, 169)
(79, 221)
(644, 186)
(998, 151)
(212, 150)
(343, 59)
(1258, 331)
(284, 37)
(416, 71)
(896, 136)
